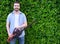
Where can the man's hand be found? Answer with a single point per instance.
(9, 37)
(9, 34)
(18, 27)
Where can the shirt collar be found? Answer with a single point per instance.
(19, 12)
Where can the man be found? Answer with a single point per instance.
(16, 19)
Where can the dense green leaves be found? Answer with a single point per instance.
(46, 29)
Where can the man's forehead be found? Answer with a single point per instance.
(16, 4)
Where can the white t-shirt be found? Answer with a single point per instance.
(16, 20)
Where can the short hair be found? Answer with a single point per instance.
(16, 2)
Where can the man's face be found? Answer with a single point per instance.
(16, 6)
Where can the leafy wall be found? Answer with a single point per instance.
(46, 30)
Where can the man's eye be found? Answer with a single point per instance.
(16, 5)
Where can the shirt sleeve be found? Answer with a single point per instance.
(8, 19)
(24, 18)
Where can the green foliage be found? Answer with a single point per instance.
(46, 30)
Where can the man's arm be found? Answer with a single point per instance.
(24, 25)
(8, 24)
(8, 27)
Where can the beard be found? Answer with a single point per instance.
(16, 9)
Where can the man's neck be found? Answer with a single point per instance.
(16, 12)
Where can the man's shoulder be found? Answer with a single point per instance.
(10, 14)
(22, 14)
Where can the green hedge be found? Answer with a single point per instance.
(46, 30)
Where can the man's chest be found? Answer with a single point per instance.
(16, 18)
